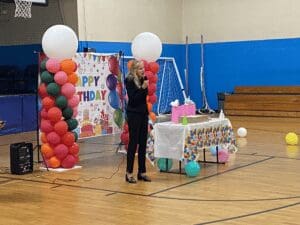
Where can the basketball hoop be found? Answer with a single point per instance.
(23, 8)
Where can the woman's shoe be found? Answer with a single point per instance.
(143, 177)
(130, 179)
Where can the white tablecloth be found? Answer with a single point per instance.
(172, 140)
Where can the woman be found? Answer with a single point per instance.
(137, 118)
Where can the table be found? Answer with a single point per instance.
(187, 142)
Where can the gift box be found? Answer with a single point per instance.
(182, 110)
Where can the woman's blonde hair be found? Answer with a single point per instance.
(134, 66)
(132, 72)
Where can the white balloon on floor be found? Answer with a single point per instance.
(60, 42)
(242, 132)
(146, 46)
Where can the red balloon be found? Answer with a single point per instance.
(125, 128)
(54, 114)
(44, 113)
(61, 151)
(53, 138)
(125, 138)
(68, 139)
(154, 67)
(74, 149)
(146, 65)
(61, 127)
(151, 89)
(68, 162)
(46, 126)
(153, 79)
(43, 90)
(149, 75)
(152, 98)
(48, 102)
(113, 64)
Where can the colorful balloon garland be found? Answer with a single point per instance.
(59, 102)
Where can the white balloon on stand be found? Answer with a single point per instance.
(59, 42)
(146, 46)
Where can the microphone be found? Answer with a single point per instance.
(145, 78)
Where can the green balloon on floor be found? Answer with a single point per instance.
(162, 164)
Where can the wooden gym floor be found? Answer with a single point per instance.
(259, 185)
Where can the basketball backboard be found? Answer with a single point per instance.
(35, 2)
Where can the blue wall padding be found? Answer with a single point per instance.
(19, 55)
(29, 113)
(266, 62)
(18, 112)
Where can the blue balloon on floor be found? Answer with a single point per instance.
(213, 150)
(192, 169)
(162, 164)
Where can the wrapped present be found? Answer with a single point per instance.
(182, 110)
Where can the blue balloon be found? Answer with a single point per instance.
(213, 150)
(192, 169)
(111, 82)
(114, 100)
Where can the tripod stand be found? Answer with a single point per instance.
(205, 107)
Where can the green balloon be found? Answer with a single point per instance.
(61, 102)
(47, 77)
(118, 117)
(72, 124)
(162, 164)
(43, 64)
(53, 89)
(67, 113)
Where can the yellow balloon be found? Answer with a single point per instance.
(291, 138)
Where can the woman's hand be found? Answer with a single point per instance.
(145, 84)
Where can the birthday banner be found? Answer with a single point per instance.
(99, 88)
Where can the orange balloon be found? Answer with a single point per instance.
(44, 138)
(152, 116)
(47, 150)
(149, 106)
(73, 78)
(54, 162)
(129, 64)
(68, 66)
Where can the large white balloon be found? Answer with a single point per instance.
(146, 46)
(60, 42)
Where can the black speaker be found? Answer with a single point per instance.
(21, 158)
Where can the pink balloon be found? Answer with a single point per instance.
(68, 90)
(61, 151)
(75, 112)
(46, 126)
(61, 77)
(69, 161)
(73, 101)
(53, 138)
(223, 155)
(53, 65)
